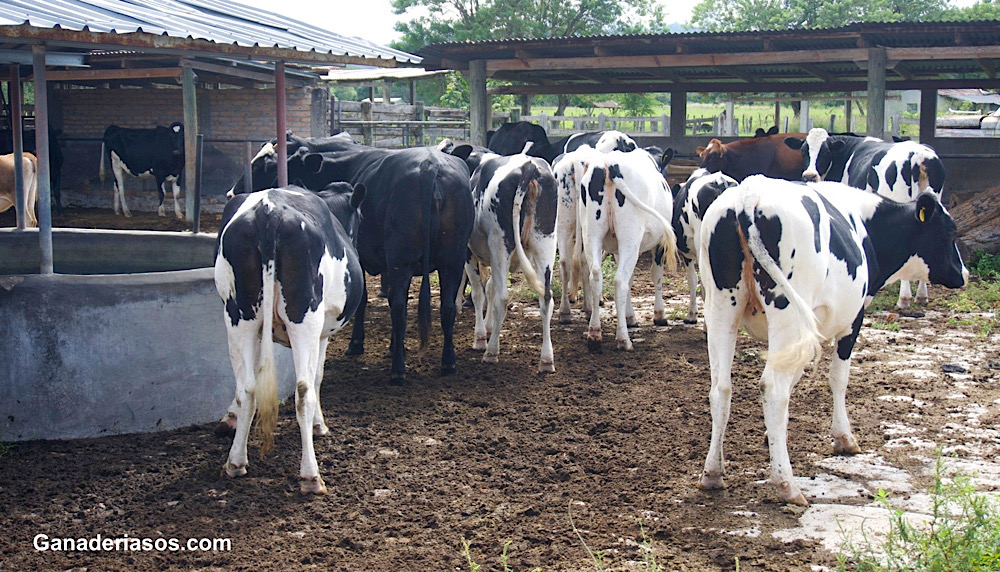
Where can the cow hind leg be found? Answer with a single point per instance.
(921, 298)
(306, 345)
(177, 202)
(356, 346)
(623, 296)
(844, 442)
(244, 344)
(162, 195)
(119, 176)
(399, 287)
(776, 387)
(499, 296)
(450, 278)
(905, 295)
(478, 303)
(319, 423)
(721, 322)
(543, 269)
(659, 314)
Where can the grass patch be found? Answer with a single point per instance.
(985, 265)
(887, 326)
(885, 299)
(6, 448)
(963, 533)
(476, 567)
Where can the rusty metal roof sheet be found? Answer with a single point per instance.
(218, 21)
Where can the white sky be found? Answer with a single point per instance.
(373, 20)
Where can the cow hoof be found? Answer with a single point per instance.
(467, 303)
(479, 344)
(234, 470)
(625, 345)
(691, 321)
(491, 358)
(547, 367)
(312, 485)
(845, 446)
(790, 493)
(921, 301)
(398, 379)
(797, 500)
(355, 348)
(660, 322)
(449, 369)
(565, 318)
(631, 323)
(903, 303)
(711, 482)
(911, 313)
(320, 429)
(594, 346)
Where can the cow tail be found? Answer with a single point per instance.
(668, 242)
(266, 389)
(429, 196)
(100, 170)
(807, 345)
(529, 188)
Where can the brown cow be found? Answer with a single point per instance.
(767, 155)
(7, 198)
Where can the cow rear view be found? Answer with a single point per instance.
(7, 194)
(286, 269)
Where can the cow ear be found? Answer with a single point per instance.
(759, 133)
(927, 206)
(699, 150)
(312, 162)
(773, 130)
(668, 156)
(462, 151)
(837, 146)
(794, 142)
(358, 195)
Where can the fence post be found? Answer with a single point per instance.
(420, 126)
(665, 125)
(545, 122)
(833, 119)
(515, 115)
(602, 122)
(367, 128)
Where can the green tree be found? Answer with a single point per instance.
(739, 15)
(982, 10)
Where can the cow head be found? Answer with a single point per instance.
(177, 138)
(817, 153)
(935, 244)
(473, 155)
(263, 171)
(343, 201)
(713, 157)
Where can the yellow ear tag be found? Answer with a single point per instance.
(922, 214)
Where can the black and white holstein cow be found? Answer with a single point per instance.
(287, 270)
(899, 170)
(416, 218)
(152, 153)
(795, 264)
(515, 198)
(691, 200)
(624, 208)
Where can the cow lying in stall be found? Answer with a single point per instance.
(7, 192)
(691, 200)
(624, 207)
(795, 265)
(515, 199)
(899, 170)
(152, 153)
(286, 269)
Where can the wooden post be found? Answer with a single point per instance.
(16, 132)
(730, 119)
(413, 93)
(602, 122)
(421, 117)
(876, 92)
(545, 122)
(804, 116)
(678, 115)
(195, 195)
(665, 125)
(848, 108)
(480, 110)
(833, 120)
(928, 116)
(386, 92)
(515, 115)
(248, 169)
(190, 103)
(281, 127)
(42, 154)
(777, 113)
(366, 127)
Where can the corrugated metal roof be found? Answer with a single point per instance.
(220, 21)
(380, 74)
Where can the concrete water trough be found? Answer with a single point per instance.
(127, 336)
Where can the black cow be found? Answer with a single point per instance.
(511, 138)
(416, 218)
(56, 158)
(156, 153)
(286, 269)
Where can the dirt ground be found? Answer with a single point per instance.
(603, 454)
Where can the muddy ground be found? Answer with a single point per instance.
(603, 454)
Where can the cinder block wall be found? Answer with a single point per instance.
(226, 118)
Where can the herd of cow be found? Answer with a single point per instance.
(793, 260)
(793, 235)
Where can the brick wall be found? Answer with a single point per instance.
(223, 114)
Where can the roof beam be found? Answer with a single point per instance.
(988, 67)
(815, 71)
(736, 72)
(233, 71)
(114, 74)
